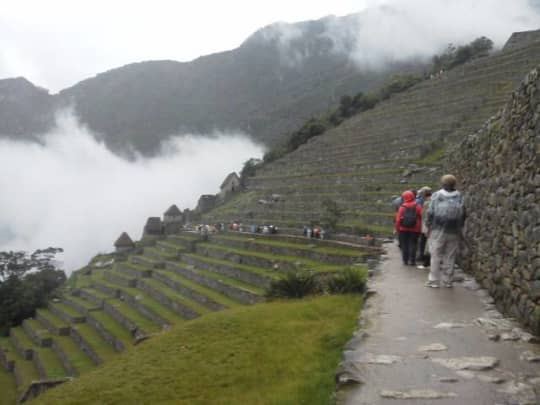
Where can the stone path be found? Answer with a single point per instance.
(419, 345)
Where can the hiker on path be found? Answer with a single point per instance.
(445, 220)
(408, 224)
(423, 252)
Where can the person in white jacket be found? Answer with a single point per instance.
(445, 218)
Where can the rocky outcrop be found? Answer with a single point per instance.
(499, 167)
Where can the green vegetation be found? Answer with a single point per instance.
(7, 388)
(274, 353)
(22, 291)
(302, 283)
(351, 280)
(331, 214)
(296, 284)
(348, 107)
(453, 56)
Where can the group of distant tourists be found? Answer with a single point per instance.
(205, 230)
(316, 232)
(429, 229)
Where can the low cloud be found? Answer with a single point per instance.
(74, 193)
(392, 31)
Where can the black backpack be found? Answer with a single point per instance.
(408, 217)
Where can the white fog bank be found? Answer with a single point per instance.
(72, 192)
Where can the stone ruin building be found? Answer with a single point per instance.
(124, 243)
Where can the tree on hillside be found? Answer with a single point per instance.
(27, 281)
(453, 56)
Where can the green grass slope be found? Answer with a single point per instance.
(282, 352)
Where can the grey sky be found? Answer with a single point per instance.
(57, 43)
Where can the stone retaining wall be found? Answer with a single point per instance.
(126, 282)
(38, 387)
(167, 301)
(104, 333)
(106, 289)
(70, 369)
(230, 271)
(90, 297)
(124, 321)
(133, 271)
(143, 310)
(499, 171)
(230, 291)
(40, 367)
(6, 364)
(26, 353)
(66, 317)
(85, 346)
(36, 338)
(188, 292)
(62, 331)
(19, 377)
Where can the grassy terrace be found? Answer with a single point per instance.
(103, 349)
(220, 298)
(52, 318)
(306, 263)
(278, 243)
(25, 367)
(8, 390)
(77, 358)
(144, 299)
(53, 366)
(291, 350)
(176, 296)
(225, 279)
(113, 327)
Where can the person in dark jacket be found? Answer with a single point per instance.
(408, 233)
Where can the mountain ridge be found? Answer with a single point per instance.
(280, 76)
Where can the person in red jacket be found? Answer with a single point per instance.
(408, 225)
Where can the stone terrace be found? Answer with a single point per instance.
(105, 311)
(373, 156)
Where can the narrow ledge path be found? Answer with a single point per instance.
(419, 345)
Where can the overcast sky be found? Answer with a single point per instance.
(56, 43)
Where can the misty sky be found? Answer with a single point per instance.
(57, 43)
(74, 193)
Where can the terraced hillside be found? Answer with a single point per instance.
(373, 156)
(110, 306)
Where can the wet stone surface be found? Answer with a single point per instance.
(440, 346)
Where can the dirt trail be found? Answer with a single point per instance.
(420, 345)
